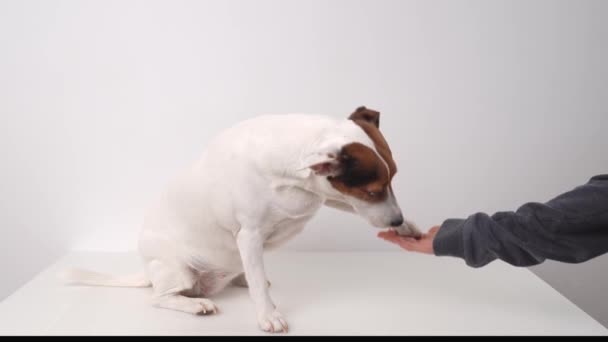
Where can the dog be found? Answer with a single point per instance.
(256, 186)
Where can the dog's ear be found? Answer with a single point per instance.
(368, 115)
(323, 163)
(324, 160)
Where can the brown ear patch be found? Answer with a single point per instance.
(380, 144)
(363, 174)
(366, 115)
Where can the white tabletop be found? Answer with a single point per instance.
(357, 293)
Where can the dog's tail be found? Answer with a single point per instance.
(83, 277)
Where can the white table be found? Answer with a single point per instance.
(395, 293)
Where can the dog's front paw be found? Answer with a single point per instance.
(408, 229)
(272, 322)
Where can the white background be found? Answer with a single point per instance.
(486, 105)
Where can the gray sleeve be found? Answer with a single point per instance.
(571, 228)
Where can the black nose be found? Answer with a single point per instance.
(397, 221)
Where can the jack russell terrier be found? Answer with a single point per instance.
(256, 186)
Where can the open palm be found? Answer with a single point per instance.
(422, 245)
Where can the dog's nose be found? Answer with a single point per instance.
(396, 222)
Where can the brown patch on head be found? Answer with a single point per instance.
(365, 119)
(362, 174)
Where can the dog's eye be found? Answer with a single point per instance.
(373, 193)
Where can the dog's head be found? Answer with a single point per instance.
(358, 167)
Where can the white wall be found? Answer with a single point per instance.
(486, 104)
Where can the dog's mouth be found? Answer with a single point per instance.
(406, 231)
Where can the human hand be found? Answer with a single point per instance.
(422, 245)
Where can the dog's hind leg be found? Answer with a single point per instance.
(195, 306)
(170, 284)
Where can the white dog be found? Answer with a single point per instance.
(256, 186)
